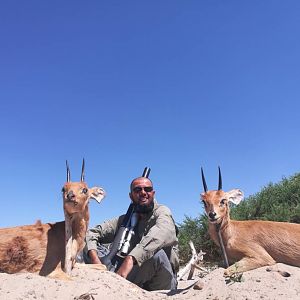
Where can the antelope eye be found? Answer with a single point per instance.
(204, 203)
(222, 202)
(84, 190)
(63, 190)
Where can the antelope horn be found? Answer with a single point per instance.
(220, 180)
(82, 171)
(203, 181)
(68, 171)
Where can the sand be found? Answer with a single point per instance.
(89, 283)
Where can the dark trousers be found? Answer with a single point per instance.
(154, 274)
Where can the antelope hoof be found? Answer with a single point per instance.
(229, 272)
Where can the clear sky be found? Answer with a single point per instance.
(172, 85)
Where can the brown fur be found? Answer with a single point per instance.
(24, 248)
(251, 244)
(40, 248)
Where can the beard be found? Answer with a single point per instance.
(144, 208)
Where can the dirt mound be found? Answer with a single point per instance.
(99, 285)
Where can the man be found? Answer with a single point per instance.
(152, 261)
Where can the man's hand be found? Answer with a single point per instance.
(94, 257)
(126, 266)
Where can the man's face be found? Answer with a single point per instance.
(142, 193)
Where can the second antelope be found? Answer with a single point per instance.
(251, 244)
(49, 249)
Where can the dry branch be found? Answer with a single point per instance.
(192, 264)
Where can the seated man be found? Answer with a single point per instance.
(152, 261)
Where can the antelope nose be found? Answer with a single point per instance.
(212, 215)
(70, 195)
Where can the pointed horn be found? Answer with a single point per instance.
(68, 172)
(82, 171)
(203, 181)
(220, 180)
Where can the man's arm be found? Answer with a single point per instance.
(100, 234)
(126, 266)
(94, 257)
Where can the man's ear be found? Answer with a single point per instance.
(97, 193)
(235, 196)
(130, 195)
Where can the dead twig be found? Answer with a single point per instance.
(192, 264)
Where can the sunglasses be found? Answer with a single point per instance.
(147, 189)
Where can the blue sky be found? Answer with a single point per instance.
(173, 85)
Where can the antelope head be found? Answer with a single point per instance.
(76, 195)
(216, 202)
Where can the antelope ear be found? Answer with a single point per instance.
(97, 194)
(235, 196)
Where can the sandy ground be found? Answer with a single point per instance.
(94, 284)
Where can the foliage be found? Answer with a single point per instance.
(276, 202)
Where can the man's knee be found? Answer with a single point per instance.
(164, 271)
(160, 257)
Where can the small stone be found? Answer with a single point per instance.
(199, 285)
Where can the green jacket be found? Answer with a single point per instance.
(154, 232)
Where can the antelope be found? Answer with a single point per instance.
(250, 244)
(51, 249)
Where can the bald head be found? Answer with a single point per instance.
(139, 180)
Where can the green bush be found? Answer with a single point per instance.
(275, 202)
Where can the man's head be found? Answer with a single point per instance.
(142, 194)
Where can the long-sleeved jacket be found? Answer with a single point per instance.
(155, 231)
